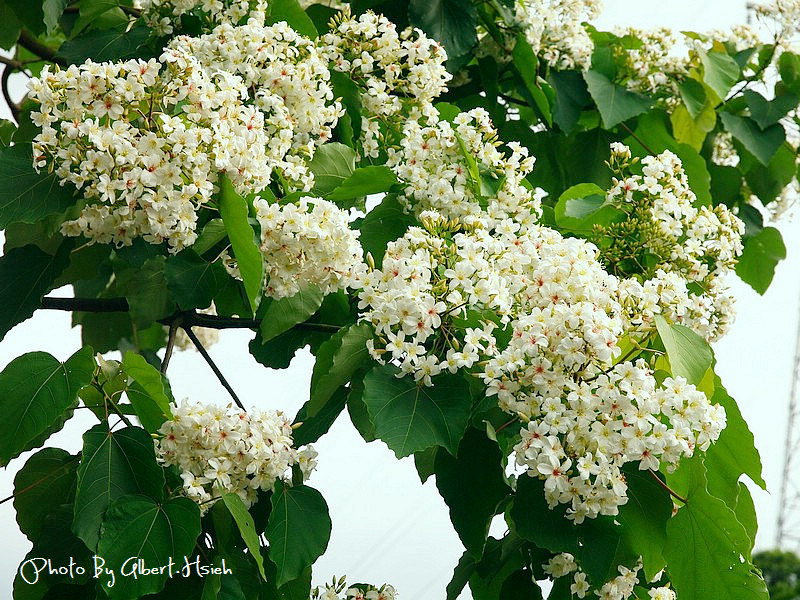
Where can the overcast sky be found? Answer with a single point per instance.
(386, 526)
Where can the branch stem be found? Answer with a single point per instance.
(666, 487)
(204, 353)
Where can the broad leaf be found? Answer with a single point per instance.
(571, 96)
(363, 182)
(338, 359)
(148, 294)
(761, 255)
(410, 417)
(720, 72)
(769, 112)
(298, 530)
(291, 12)
(157, 533)
(113, 464)
(281, 315)
(526, 63)
(615, 103)
(192, 281)
(332, 165)
(689, 355)
(347, 89)
(147, 392)
(46, 481)
(472, 485)
(582, 206)
(693, 95)
(101, 45)
(26, 275)
(310, 429)
(244, 521)
(383, 224)
(450, 22)
(233, 209)
(35, 391)
(761, 144)
(53, 9)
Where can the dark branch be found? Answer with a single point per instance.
(98, 305)
(204, 353)
(12, 106)
(173, 330)
(667, 488)
(31, 44)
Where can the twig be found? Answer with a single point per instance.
(173, 329)
(36, 483)
(12, 106)
(638, 139)
(13, 63)
(506, 424)
(204, 353)
(666, 487)
(31, 44)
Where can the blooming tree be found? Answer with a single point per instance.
(505, 236)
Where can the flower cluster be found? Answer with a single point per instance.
(620, 587)
(338, 590)
(684, 244)
(224, 450)
(457, 170)
(398, 74)
(289, 82)
(145, 142)
(163, 15)
(580, 435)
(308, 243)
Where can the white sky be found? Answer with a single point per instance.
(386, 526)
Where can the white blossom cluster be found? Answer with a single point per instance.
(458, 171)
(338, 590)
(693, 245)
(308, 242)
(581, 434)
(163, 15)
(555, 31)
(398, 74)
(620, 587)
(224, 450)
(289, 82)
(144, 142)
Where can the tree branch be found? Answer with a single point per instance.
(204, 353)
(12, 106)
(31, 44)
(173, 329)
(666, 487)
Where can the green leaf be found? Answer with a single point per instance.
(27, 196)
(582, 206)
(761, 144)
(157, 533)
(26, 275)
(526, 63)
(615, 103)
(692, 130)
(450, 22)
(9, 28)
(761, 255)
(644, 519)
(246, 527)
(768, 182)
(746, 513)
(35, 391)
(347, 89)
(53, 9)
(46, 481)
(338, 359)
(332, 165)
(102, 45)
(148, 294)
(689, 355)
(278, 352)
(704, 547)
(383, 224)
(147, 392)
(192, 281)
(720, 72)
(472, 485)
(769, 112)
(734, 453)
(313, 428)
(233, 209)
(298, 530)
(281, 315)
(291, 12)
(410, 417)
(789, 70)
(113, 464)
(213, 232)
(693, 95)
(571, 96)
(29, 14)
(363, 181)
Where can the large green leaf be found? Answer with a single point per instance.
(338, 359)
(27, 196)
(720, 72)
(247, 528)
(29, 14)
(298, 530)
(689, 355)
(101, 45)
(693, 95)
(383, 224)
(761, 255)
(281, 315)
(410, 417)
(291, 12)
(27, 274)
(526, 63)
(472, 484)
(147, 392)
(310, 429)
(332, 165)
(705, 546)
(233, 209)
(761, 144)
(148, 294)
(46, 481)
(35, 391)
(615, 103)
(767, 182)
(10, 27)
(192, 281)
(571, 96)
(450, 22)
(113, 464)
(363, 182)
(582, 206)
(162, 534)
(769, 112)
